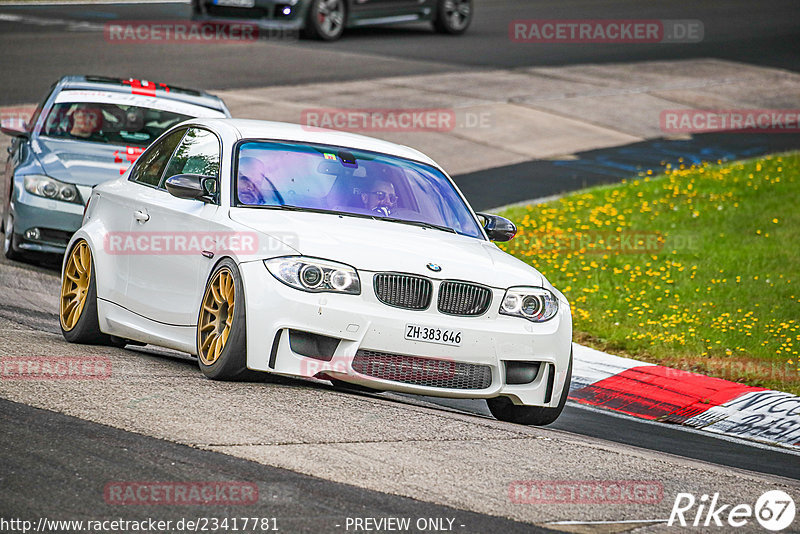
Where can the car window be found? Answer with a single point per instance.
(198, 153)
(38, 111)
(151, 164)
(109, 123)
(348, 181)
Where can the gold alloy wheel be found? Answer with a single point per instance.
(216, 316)
(75, 285)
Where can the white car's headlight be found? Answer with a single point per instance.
(315, 275)
(533, 303)
(44, 186)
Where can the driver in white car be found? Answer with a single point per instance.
(380, 198)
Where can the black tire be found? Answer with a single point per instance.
(505, 410)
(323, 22)
(453, 17)
(10, 239)
(232, 361)
(86, 330)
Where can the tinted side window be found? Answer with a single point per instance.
(198, 153)
(151, 164)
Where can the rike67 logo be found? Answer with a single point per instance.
(774, 511)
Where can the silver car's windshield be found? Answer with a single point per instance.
(117, 124)
(342, 180)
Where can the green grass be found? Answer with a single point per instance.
(707, 279)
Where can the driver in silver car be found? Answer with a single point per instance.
(86, 120)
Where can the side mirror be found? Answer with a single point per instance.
(192, 187)
(498, 228)
(14, 130)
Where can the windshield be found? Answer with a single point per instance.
(117, 124)
(340, 180)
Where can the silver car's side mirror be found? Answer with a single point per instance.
(13, 130)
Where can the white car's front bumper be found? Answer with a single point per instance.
(362, 322)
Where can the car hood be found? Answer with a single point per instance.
(375, 245)
(82, 163)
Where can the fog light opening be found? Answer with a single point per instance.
(312, 345)
(33, 233)
(521, 372)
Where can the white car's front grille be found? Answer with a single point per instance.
(429, 372)
(415, 293)
(461, 298)
(403, 290)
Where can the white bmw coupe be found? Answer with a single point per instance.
(265, 247)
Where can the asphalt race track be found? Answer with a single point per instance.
(56, 464)
(36, 314)
(302, 503)
(764, 33)
(500, 186)
(44, 452)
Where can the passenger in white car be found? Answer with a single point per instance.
(253, 186)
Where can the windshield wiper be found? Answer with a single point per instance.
(290, 207)
(417, 223)
(287, 207)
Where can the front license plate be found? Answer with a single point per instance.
(432, 334)
(235, 3)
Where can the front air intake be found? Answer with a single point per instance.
(430, 372)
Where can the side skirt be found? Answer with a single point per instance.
(121, 322)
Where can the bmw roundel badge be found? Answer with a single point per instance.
(433, 267)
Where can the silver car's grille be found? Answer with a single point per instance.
(461, 298)
(403, 290)
(422, 371)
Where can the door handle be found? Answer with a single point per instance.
(141, 216)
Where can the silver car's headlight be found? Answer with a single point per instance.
(315, 275)
(44, 186)
(533, 303)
